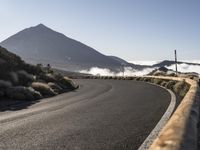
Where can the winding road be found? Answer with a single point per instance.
(100, 115)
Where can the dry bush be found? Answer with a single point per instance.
(115, 77)
(110, 77)
(146, 79)
(49, 77)
(164, 83)
(170, 84)
(181, 88)
(67, 84)
(55, 87)
(158, 81)
(159, 73)
(172, 75)
(43, 88)
(138, 78)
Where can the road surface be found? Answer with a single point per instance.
(101, 115)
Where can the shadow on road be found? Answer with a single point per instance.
(13, 105)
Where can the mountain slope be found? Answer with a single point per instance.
(40, 44)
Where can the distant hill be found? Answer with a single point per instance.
(41, 44)
(169, 63)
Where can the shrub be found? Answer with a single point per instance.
(157, 81)
(170, 84)
(146, 79)
(67, 84)
(138, 78)
(110, 77)
(13, 77)
(49, 77)
(164, 83)
(5, 84)
(2, 93)
(25, 78)
(159, 73)
(55, 87)
(181, 88)
(172, 75)
(22, 93)
(43, 88)
(32, 69)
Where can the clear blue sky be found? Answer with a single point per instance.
(131, 29)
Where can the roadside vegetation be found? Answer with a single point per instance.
(22, 81)
(180, 88)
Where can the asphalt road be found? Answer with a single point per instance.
(101, 115)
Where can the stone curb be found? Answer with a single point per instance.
(154, 133)
(180, 132)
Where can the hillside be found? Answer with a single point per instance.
(41, 44)
(22, 81)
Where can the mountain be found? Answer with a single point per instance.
(41, 44)
(120, 60)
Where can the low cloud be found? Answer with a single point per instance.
(186, 68)
(145, 62)
(128, 71)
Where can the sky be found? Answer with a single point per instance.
(130, 29)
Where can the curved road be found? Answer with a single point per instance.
(101, 115)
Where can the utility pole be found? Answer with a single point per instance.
(175, 53)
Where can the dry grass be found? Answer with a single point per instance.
(55, 87)
(181, 88)
(43, 88)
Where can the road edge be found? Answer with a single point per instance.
(155, 132)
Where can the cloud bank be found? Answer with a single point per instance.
(128, 71)
(186, 68)
(146, 62)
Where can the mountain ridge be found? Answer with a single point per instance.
(38, 41)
